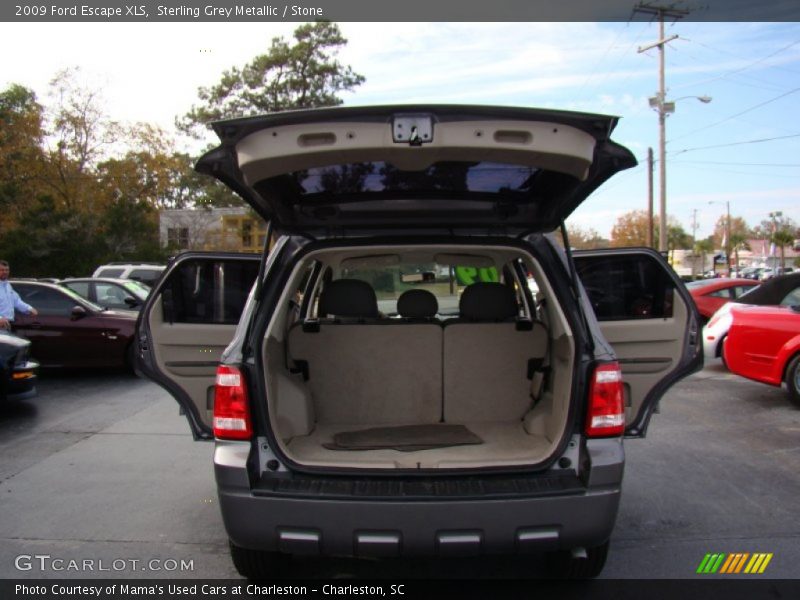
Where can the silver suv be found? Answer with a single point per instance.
(416, 367)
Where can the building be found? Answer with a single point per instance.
(225, 229)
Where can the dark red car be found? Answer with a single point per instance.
(710, 294)
(70, 331)
(764, 344)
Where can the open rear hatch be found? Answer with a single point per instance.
(393, 167)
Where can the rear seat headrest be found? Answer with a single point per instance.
(488, 302)
(348, 298)
(417, 304)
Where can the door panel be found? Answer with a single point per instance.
(648, 317)
(186, 324)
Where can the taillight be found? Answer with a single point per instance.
(606, 414)
(231, 405)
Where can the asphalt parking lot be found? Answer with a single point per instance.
(101, 468)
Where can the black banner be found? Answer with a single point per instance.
(628, 589)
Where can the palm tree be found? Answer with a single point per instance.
(703, 247)
(738, 240)
(782, 238)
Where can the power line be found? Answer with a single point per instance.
(735, 164)
(757, 141)
(730, 118)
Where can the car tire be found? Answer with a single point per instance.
(563, 565)
(259, 564)
(793, 380)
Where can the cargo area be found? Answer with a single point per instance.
(477, 378)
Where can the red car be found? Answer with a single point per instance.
(764, 344)
(710, 294)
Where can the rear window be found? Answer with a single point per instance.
(109, 273)
(384, 177)
(445, 282)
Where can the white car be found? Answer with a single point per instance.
(716, 329)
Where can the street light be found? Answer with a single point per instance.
(727, 233)
(665, 107)
(774, 216)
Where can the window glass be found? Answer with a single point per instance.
(110, 273)
(79, 287)
(137, 288)
(47, 301)
(111, 295)
(792, 298)
(721, 294)
(149, 276)
(209, 291)
(739, 290)
(443, 281)
(626, 287)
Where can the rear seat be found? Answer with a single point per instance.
(488, 356)
(365, 370)
(412, 370)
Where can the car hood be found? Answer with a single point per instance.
(339, 170)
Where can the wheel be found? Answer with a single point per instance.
(562, 565)
(793, 380)
(259, 564)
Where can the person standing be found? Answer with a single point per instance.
(10, 301)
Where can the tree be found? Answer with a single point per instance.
(583, 239)
(739, 241)
(703, 247)
(630, 229)
(739, 227)
(303, 74)
(781, 239)
(21, 156)
(780, 231)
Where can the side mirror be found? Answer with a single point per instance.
(78, 312)
(131, 301)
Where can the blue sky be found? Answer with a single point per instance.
(150, 72)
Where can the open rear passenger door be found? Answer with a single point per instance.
(187, 322)
(650, 320)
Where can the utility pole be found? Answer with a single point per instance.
(694, 242)
(662, 106)
(650, 198)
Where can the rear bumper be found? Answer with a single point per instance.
(390, 527)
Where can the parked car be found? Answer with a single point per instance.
(783, 290)
(763, 344)
(17, 369)
(469, 418)
(70, 331)
(115, 294)
(769, 273)
(147, 273)
(710, 294)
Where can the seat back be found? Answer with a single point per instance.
(487, 357)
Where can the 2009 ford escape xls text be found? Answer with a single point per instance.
(416, 366)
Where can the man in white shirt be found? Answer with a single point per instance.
(10, 301)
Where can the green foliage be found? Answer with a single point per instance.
(303, 74)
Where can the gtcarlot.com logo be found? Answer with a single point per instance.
(734, 563)
(46, 562)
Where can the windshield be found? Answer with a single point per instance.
(137, 288)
